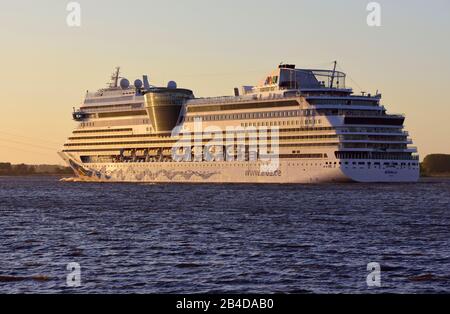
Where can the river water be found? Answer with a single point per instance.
(143, 238)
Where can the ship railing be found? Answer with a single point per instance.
(396, 114)
(393, 132)
(227, 99)
(126, 107)
(364, 114)
(381, 138)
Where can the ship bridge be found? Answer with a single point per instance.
(287, 77)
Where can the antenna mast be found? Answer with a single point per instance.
(332, 75)
(115, 78)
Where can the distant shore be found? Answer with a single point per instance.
(8, 169)
(436, 166)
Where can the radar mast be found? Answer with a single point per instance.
(332, 75)
(115, 78)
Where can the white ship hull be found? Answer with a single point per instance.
(290, 171)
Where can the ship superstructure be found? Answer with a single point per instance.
(295, 126)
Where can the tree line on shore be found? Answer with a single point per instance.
(8, 169)
(435, 165)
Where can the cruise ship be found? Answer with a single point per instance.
(295, 126)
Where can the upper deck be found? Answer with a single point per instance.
(314, 88)
(319, 87)
(287, 77)
(116, 92)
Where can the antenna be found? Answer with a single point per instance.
(332, 75)
(290, 78)
(145, 81)
(115, 78)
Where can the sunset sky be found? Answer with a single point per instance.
(211, 47)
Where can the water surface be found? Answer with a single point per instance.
(141, 238)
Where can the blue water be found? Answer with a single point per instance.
(137, 238)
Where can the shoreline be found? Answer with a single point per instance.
(35, 175)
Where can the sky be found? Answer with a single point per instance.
(212, 46)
